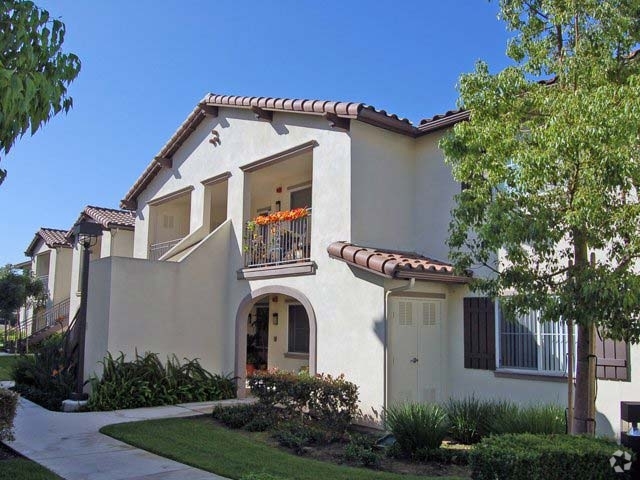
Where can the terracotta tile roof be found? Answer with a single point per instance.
(445, 120)
(109, 217)
(52, 237)
(394, 264)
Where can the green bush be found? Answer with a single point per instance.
(417, 425)
(296, 434)
(543, 457)
(255, 418)
(234, 416)
(448, 456)
(469, 418)
(146, 382)
(8, 405)
(46, 378)
(536, 419)
(332, 402)
(360, 450)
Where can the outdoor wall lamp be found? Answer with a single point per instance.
(87, 234)
(275, 319)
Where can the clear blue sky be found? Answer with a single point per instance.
(145, 64)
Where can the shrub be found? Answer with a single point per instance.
(295, 434)
(468, 419)
(46, 378)
(331, 401)
(543, 457)
(447, 456)
(8, 405)
(536, 419)
(234, 416)
(146, 382)
(360, 450)
(417, 425)
(254, 418)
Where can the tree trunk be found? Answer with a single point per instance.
(584, 410)
(585, 391)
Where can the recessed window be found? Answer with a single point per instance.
(298, 329)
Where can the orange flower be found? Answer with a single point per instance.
(286, 215)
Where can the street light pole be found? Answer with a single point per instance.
(85, 233)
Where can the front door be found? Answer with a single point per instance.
(415, 363)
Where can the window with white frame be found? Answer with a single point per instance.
(526, 343)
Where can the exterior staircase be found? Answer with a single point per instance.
(38, 327)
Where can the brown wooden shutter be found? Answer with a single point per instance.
(612, 361)
(479, 333)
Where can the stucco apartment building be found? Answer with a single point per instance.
(56, 261)
(315, 231)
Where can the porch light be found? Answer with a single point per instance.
(275, 319)
(87, 234)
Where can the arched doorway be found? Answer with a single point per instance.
(291, 331)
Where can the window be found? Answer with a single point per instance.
(528, 344)
(298, 329)
(301, 198)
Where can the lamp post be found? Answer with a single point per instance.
(87, 233)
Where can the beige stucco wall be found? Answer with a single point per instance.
(162, 307)
(382, 181)
(63, 274)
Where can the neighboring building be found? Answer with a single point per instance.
(116, 240)
(50, 254)
(351, 277)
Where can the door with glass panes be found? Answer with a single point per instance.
(415, 337)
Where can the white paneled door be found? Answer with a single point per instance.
(415, 341)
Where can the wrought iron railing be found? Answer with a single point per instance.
(157, 250)
(277, 243)
(39, 321)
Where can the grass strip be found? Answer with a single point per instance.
(203, 444)
(23, 469)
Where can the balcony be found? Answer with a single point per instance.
(278, 239)
(157, 250)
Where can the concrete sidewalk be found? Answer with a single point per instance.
(70, 445)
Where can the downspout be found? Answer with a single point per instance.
(402, 288)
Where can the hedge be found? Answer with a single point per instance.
(333, 401)
(544, 457)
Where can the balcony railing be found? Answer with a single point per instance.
(278, 242)
(157, 250)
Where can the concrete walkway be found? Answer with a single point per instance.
(70, 445)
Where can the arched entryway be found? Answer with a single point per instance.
(286, 310)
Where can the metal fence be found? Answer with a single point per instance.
(157, 250)
(278, 243)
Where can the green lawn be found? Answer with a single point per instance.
(207, 446)
(23, 469)
(6, 364)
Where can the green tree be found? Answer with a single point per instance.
(16, 289)
(551, 155)
(34, 71)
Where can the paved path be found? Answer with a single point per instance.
(70, 445)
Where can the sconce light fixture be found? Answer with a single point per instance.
(275, 319)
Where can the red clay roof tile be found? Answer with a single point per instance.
(394, 264)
